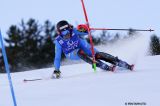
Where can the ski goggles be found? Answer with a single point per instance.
(64, 28)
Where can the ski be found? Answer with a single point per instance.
(39, 79)
(120, 69)
(26, 80)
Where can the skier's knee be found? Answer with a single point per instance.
(97, 55)
(101, 55)
(80, 52)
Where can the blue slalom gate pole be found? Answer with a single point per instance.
(7, 70)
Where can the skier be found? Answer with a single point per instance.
(70, 42)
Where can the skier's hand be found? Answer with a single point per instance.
(56, 74)
(82, 28)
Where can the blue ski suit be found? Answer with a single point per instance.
(70, 47)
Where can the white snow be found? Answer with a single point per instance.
(80, 86)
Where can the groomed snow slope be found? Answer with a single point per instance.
(80, 86)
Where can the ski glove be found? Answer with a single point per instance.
(82, 28)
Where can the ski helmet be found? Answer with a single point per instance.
(62, 25)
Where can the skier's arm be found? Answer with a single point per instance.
(58, 52)
(79, 33)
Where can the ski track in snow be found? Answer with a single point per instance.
(80, 86)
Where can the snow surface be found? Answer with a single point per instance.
(80, 86)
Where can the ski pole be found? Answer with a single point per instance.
(122, 29)
(90, 36)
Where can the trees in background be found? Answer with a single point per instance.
(30, 45)
(155, 45)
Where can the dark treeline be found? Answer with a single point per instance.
(29, 45)
(155, 45)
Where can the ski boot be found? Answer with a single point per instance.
(56, 74)
(112, 68)
(131, 67)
